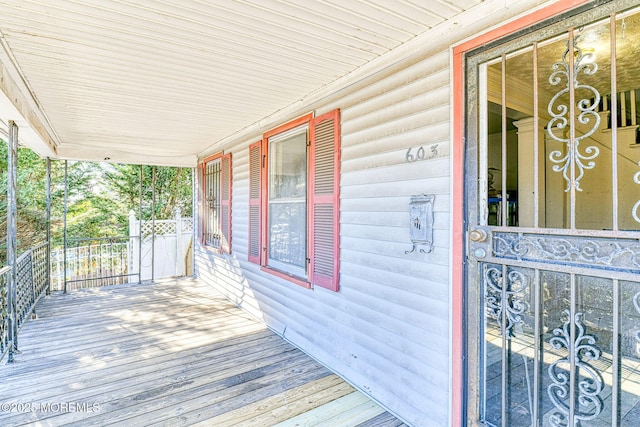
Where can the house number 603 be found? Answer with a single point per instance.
(421, 154)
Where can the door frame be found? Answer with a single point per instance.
(458, 385)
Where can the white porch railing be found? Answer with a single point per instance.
(163, 252)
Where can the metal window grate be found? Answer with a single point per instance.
(212, 214)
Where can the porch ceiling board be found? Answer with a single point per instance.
(160, 81)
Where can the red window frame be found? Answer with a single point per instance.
(323, 200)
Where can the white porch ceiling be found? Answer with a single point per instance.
(159, 81)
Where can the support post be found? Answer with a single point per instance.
(64, 232)
(530, 213)
(133, 232)
(48, 162)
(194, 215)
(179, 254)
(140, 230)
(12, 250)
(153, 221)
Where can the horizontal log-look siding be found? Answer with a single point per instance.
(388, 325)
(397, 304)
(387, 331)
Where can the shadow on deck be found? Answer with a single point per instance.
(173, 353)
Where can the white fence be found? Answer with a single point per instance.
(167, 250)
(165, 246)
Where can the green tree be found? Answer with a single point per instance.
(173, 189)
(31, 200)
(99, 198)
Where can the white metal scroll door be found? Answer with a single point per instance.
(554, 253)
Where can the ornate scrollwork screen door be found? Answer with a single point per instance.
(553, 237)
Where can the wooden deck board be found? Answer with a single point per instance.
(273, 415)
(326, 412)
(269, 411)
(174, 353)
(120, 392)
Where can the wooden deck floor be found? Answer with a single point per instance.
(169, 354)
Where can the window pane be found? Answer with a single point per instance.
(288, 201)
(627, 134)
(288, 166)
(287, 242)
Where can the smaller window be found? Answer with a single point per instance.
(212, 172)
(216, 227)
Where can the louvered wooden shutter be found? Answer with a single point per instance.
(225, 203)
(255, 163)
(324, 200)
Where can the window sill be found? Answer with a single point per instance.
(287, 276)
(213, 249)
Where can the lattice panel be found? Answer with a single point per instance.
(4, 310)
(24, 299)
(166, 227)
(162, 228)
(40, 265)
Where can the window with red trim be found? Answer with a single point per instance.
(294, 185)
(216, 227)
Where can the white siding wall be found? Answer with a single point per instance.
(387, 330)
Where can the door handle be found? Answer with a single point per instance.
(478, 235)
